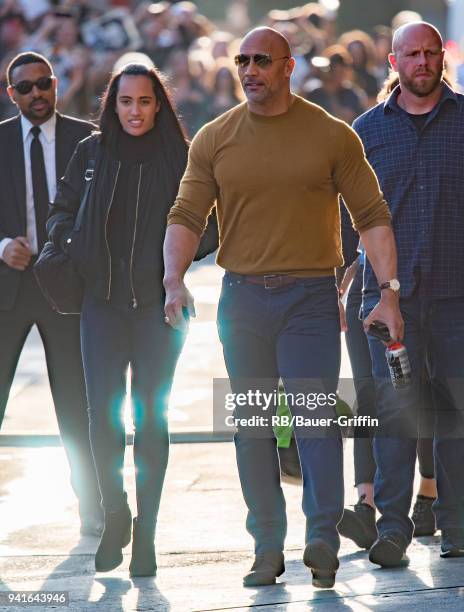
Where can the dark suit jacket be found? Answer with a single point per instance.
(69, 132)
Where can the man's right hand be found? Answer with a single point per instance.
(179, 301)
(17, 253)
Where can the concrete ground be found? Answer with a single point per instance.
(203, 549)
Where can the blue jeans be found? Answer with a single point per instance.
(292, 333)
(434, 338)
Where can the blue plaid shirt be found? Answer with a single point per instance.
(422, 177)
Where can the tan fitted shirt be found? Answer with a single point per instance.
(276, 182)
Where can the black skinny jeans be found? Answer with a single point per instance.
(113, 336)
(361, 365)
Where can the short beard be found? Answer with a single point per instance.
(43, 117)
(258, 98)
(420, 92)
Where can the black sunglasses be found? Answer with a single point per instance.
(25, 87)
(262, 60)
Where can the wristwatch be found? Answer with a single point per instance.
(392, 284)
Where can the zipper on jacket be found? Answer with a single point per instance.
(134, 299)
(106, 228)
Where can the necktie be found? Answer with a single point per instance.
(39, 187)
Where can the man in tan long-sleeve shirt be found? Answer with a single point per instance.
(275, 167)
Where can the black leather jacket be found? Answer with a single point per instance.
(88, 247)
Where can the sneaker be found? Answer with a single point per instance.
(452, 543)
(389, 551)
(359, 525)
(423, 517)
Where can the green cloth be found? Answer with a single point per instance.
(284, 433)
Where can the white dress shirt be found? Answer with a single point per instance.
(47, 140)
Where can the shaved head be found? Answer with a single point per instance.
(266, 70)
(418, 58)
(403, 34)
(266, 39)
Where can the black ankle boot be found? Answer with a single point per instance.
(116, 535)
(423, 516)
(143, 561)
(359, 525)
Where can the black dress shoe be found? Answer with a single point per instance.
(143, 560)
(265, 569)
(389, 551)
(423, 516)
(359, 525)
(116, 535)
(452, 543)
(323, 563)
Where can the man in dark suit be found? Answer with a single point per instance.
(35, 147)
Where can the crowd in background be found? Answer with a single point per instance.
(85, 40)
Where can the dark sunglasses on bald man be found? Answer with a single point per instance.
(25, 87)
(262, 60)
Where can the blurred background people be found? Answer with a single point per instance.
(224, 88)
(334, 89)
(363, 54)
(185, 39)
(190, 97)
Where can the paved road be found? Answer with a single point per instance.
(202, 547)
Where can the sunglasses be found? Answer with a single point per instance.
(25, 87)
(262, 60)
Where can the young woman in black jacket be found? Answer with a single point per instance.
(135, 163)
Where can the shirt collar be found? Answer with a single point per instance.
(48, 128)
(391, 103)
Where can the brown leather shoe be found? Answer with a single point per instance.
(389, 551)
(266, 568)
(323, 563)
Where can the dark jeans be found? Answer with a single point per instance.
(434, 337)
(60, 337)
(115, 335)
(361, 366)
(291, 332)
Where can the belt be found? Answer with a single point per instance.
(268, 281)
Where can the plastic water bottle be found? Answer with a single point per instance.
(396, 355)
(398, 365)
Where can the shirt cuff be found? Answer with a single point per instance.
(181, 220)
(3, 244)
